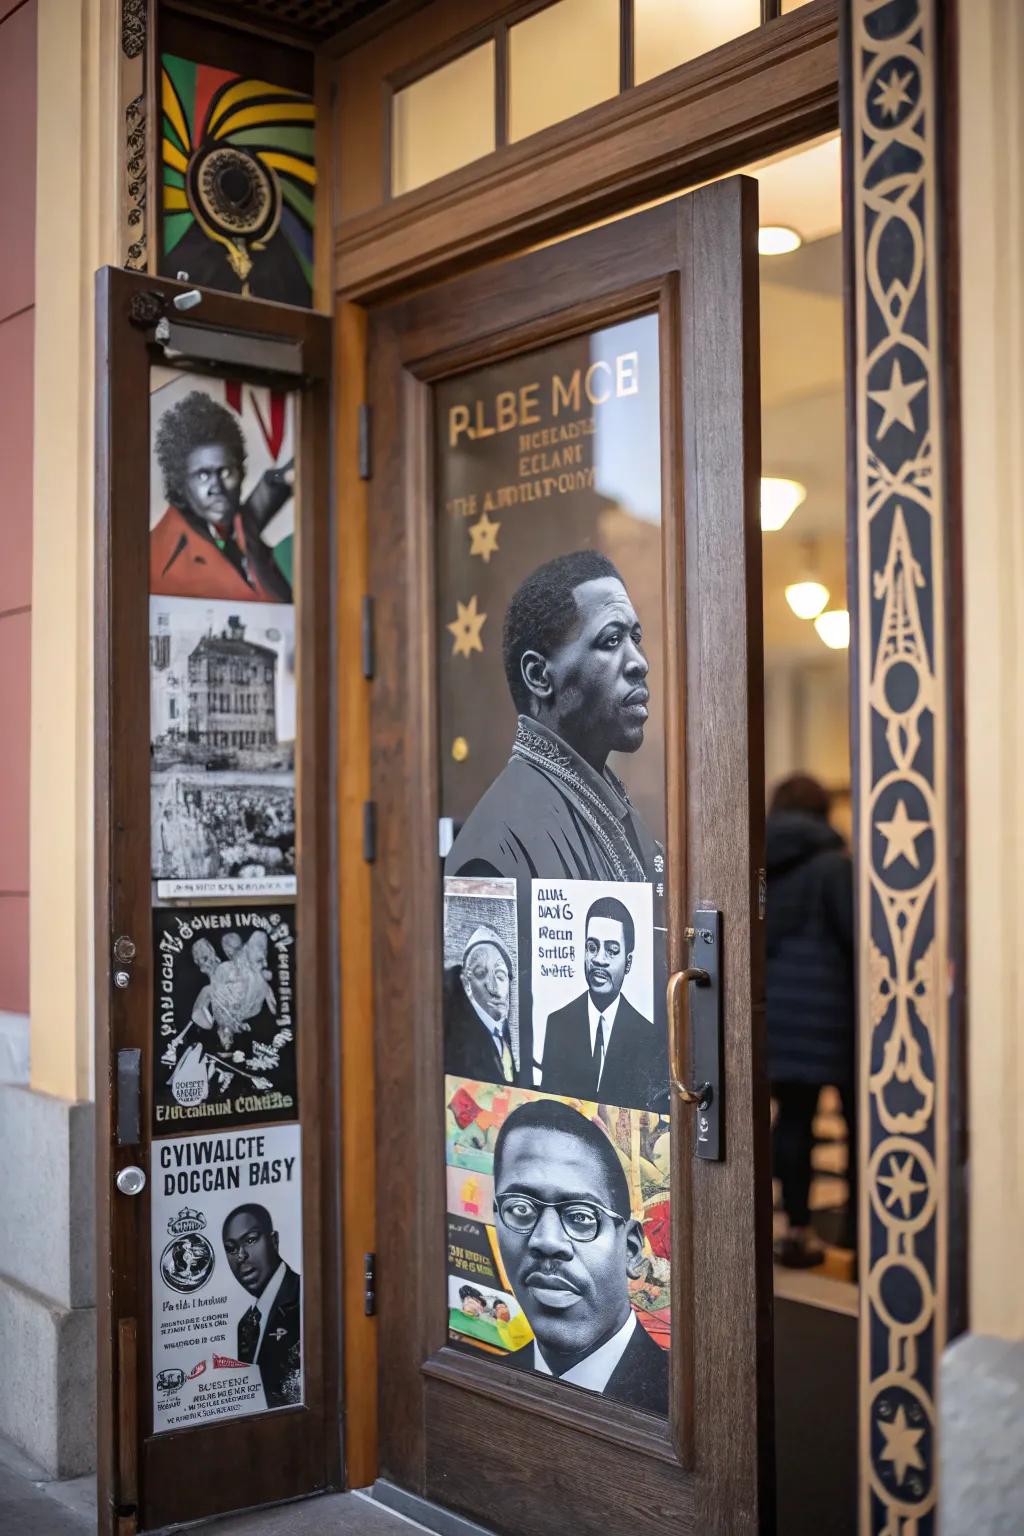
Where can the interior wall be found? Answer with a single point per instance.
(991, 70)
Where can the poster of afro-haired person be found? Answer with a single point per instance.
(226, 1246)
(222, 748)
(224, 1020)
(222, 479)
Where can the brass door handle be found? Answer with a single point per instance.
(700, 1095)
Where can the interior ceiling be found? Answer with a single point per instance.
(306, 20)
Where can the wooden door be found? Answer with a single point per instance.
(575, 1307)
(214, 1106)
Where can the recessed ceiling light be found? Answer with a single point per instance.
(777, 240)
(806, 598)
(779, 500)
(834, 628)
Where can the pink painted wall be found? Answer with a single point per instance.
(17, 321)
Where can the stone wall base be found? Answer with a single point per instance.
(982, 1437)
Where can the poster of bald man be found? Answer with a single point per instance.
(594, 1029)
(481, 980)
(226, 1236)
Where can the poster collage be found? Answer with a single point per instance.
(226, 1206)
(557, 1104)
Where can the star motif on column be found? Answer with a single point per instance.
(893, 93)
(901, 1444)
(466, 627)
(902, 1184)
(895, 401)
(901, 835)
(483, 538)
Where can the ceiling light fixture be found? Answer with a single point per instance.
(807, 598)
(779, 500)
(834, 628)
(777, 240)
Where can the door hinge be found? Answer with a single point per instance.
(369, 830)
(368, 639)
(369, 1284)
(365, 442)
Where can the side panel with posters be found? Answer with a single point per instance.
(226, 1214)
(224, 1042)
(551, 649)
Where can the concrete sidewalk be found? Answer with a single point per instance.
(30, 1505)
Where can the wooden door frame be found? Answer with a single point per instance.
(692, 259)
(280, 1453)
(556, 182)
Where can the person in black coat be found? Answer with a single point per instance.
(809, 994)
(599, 1046)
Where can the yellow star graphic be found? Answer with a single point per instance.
(466, 628)
(893, 93)
(902, 1184)
(895, 401)
(901, 835)
(901, 1444)
(483, 538)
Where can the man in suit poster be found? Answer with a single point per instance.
(571, 1245)
(599, 1045)
(270, 1331)
(480, 985)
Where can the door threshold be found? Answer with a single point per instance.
(816, 1290)
(420, 1512)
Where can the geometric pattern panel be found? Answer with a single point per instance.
(903, 808)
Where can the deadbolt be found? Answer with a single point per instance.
(121, 979)
(131, 1180)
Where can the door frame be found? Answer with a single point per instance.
(814, 75)
(704, 245)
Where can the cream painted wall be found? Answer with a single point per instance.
(991, 66)
(75, 233)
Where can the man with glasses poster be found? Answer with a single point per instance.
(570, 1244)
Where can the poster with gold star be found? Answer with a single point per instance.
(551, 453)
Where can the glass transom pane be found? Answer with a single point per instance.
(444, 120)
(561, 61)
(669, 32)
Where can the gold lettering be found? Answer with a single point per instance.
(458, 422)
(505, 410)
(560, 395)
(528, 405)
(590, 386)
(479, 429)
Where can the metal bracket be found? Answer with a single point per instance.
(369, 831)
(129, 1097)
(703, 982)
(368, 639)
(369, 1285)
(365, 442)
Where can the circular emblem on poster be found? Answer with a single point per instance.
(233, 193)
(188, 1259)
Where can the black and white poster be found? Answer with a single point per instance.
(594, 1029)
(224, 1047)
(222, 747)
(226, 1243)
(481, 979)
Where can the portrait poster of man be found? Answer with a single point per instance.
(481, 979)
(222, 747)
(224, 1020)
(222, 489)
(580, 1233)
(550, 619)
(593, 993)
(226, 1236)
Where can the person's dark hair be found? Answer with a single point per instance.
(801, 792)
(607, 906)
(259, 1212)
(467, 1292)
(543, 610)
(551, 1115)
(194, 422)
